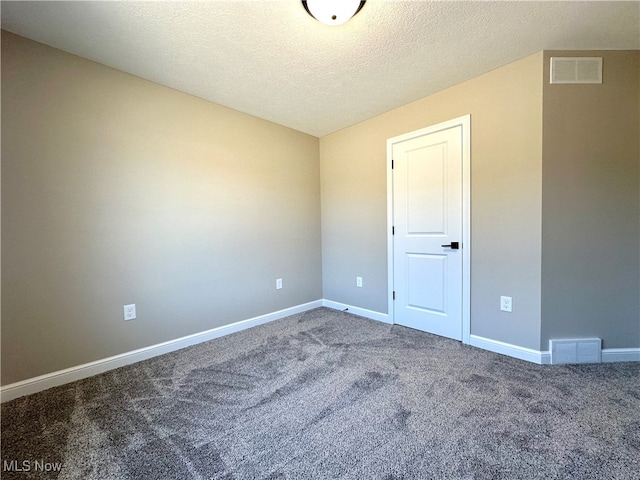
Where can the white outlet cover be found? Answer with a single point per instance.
(278, 283)
(506, 304)
(130, 312)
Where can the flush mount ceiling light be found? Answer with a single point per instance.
(333, 12)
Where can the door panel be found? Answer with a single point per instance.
(425, 181)
(427, 214)
(426, 270)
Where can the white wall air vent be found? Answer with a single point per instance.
(572, 70)
(580, 350)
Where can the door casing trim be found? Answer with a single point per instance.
(465, 123)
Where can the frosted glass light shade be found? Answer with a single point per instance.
(333, 12)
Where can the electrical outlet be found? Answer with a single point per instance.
(278, 283)
(130, 311)
(359, 282)
(506, 304)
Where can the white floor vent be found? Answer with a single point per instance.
(579, 350)
(576, 70)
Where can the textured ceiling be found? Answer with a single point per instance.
(272, 60)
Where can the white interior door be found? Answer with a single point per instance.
(428, 223)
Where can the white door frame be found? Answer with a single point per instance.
(465, 123)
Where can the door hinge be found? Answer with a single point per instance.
(393, 230)
(394, 294)
(391, 164)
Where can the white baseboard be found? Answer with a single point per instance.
(609, 355)
(545, 357)
(363, 312)
(510, 350)
(620, 355)
(61, 377)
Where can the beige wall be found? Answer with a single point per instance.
(116, 190)
(591, 232)
(506, 168)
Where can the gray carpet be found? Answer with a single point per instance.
(329, 395)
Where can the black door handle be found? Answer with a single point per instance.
(452, 245)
